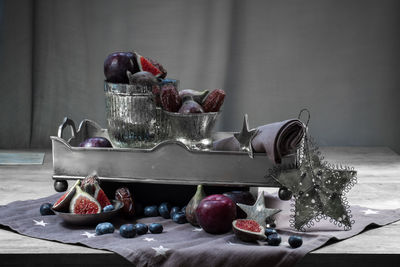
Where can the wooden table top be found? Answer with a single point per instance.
(378, 187)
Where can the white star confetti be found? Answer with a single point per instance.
(89, 235)
(41, 223)
(197, 229)
(149, 239)
(161, 250)
(369, 211)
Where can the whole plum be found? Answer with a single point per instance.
(96, 142)
(116, 65)
(215, 214)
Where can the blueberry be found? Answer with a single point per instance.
(104, 228)
(270, 231)
(184, 209)
(179, 217)
(284, 193)
(174, 210)
(295, 241)
(274, 240)
(141, 228)
(164, 210)
(151, 211)
(45, 209)
(108, 208)
(127, 230)
(155, 228)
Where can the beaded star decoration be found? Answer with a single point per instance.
(318, 188)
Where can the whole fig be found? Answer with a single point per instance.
(190, 106)
(193, 204)
(195, 95)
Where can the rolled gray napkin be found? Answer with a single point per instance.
(277, 139)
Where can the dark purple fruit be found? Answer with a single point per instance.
(274, 240)
(164, 210)
(214, 101)
(284, 193)
(116, 65)
(241, 197)
(190, 106)
(155, 228)
(142, 78)
(295, 241)
(170, 99)
(45, 209)
(96, 142)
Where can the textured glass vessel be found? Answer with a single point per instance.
(194, 130)
(131, 115)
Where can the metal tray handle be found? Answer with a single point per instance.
(64, 124)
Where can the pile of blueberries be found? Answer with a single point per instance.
(129, 230)
(274, 239)
(165, 210)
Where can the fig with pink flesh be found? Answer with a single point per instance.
(83, 203)
(248, 230)
(63, 202)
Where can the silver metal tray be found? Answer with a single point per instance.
(169, 162)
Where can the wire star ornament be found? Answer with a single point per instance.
(318, 188)
(258, 211)
(245, 137)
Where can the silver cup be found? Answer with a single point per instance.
(194, 130)
(131, 115)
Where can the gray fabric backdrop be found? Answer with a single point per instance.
(341, 59)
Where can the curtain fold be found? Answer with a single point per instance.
(338, 59)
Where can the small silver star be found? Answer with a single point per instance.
(161, 250)
(369, 211)
(41, 223)
(149, 239)
(197, 229)
(258, 211)
(89, 235)
(245, 136)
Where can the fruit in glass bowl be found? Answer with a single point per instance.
(116, 65)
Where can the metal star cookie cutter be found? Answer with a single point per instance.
(245, 137)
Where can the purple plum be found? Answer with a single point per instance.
(96, 142)
(116, 65)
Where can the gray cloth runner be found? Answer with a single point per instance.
(185, 245)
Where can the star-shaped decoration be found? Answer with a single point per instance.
(197, 229)
(89, 235)
(369, 211)
(149, 239)
(258, 211)
(161, 250)
(245, 137)
(318, 188)
(41, 223)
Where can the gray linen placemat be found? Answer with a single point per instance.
(183, 244)
(21, 158)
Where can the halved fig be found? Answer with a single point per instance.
(248, 230)
(63, 202)
(83, 203)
